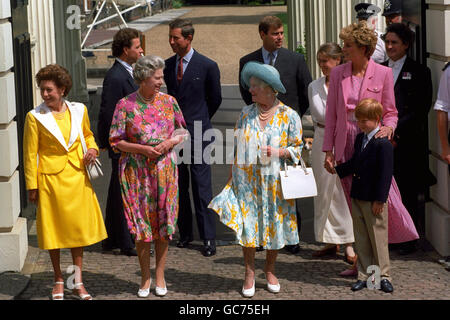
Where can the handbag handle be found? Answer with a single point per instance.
(302, 163)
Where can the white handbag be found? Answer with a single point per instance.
(94, 170)
(298, 182)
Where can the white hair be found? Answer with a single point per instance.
(146, 66)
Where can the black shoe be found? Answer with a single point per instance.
(259, 249)
(129, 252)
(209, 248)
(358, 285)
(183, 243)
(386, 286)
(292, 248)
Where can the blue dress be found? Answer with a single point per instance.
(252, 203)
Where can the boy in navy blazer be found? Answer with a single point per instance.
(372, 169)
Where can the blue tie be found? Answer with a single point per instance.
(365, 141)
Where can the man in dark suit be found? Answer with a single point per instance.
(413, 98)
(117, 84)
(293, 70)
(371, 167)
(194, 80)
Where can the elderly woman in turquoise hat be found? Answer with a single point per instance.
(268, 133)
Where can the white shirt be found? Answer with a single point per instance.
(370, 135)
(443, 96)
(317, 94)
(127, 66)
(266, 57)
(379, 55)
(186, 59)
(397, 66)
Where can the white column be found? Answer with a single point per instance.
(42, 35)
(13, 230)
(314, 22)
(438, 46)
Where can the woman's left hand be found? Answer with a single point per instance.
(385, 132)
(273, 152)
(90, 156)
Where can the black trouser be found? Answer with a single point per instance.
(116, 225)
(200, 176)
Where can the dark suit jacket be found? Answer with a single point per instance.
(372, 169)
(118, 83)
(294, 75)
(199, 94)
(413, 99)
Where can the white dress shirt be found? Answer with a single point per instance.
(397, 66)
(127, 66)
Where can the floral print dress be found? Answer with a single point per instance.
(252, 203)
(149, 186)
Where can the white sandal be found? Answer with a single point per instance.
(58, 296)
(81, 296)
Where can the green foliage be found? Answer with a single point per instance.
(301, 49)
(176, 4)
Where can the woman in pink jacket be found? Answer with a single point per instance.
(358, 79)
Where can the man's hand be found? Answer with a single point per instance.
(377, 208)
(33, 196)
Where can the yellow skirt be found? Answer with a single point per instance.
(68, 214)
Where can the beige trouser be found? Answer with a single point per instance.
(371, 238)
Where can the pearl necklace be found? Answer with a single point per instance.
(265, 115)
(147, 101)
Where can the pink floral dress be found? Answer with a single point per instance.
(149, 187)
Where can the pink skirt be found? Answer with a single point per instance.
(400, 225)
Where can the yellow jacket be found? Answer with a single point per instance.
(44, 147)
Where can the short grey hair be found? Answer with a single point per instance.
(146, 66)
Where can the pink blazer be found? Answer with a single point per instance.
(378, 83)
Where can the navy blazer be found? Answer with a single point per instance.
(117, 84)
(294, 75)
(372, 169)
(199, 93)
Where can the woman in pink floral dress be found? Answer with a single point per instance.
(144, 129)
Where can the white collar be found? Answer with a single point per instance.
(126, 65)
(372, 133)
(44, 115)
(397, 64)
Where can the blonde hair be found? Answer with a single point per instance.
(369, 109)
(362, 35)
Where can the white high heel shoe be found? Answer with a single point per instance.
(274, 288)
(58, 296)
(248, 293)
(143, 293)
(81, 296)
(161, 292)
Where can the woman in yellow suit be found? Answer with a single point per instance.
(68, 214)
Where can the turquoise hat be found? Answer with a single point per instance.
(264, 72)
